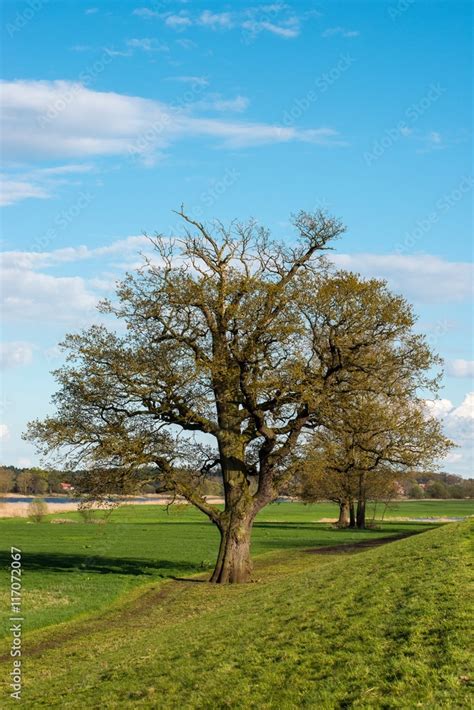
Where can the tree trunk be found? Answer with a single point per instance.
(352, 517)
(233, 565)
(361, 513)
(343, 521)
(361, 502)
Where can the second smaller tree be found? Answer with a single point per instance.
(370, 443)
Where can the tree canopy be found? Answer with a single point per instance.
(231, 349)
(366, 448)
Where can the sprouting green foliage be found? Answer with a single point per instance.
(368, 446)
(234, 346)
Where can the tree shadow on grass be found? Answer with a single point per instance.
(395, 527)
(319, 535)
(56, 562)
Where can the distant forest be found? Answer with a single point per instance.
(39, 482)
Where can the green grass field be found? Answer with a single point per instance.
(377, 628)
(78, 569)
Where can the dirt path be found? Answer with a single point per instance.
(128, 615)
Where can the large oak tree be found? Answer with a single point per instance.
(233, 344)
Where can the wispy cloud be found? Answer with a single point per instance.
(461, 368)
(36, 260)
(60, 119)
(458, 423)
(278, 19)
(425, 278)
(340, 32)
(38, 184)
(216, 20)
(14, 354)
(186, 43)
(288, 30)
(215, 102)
(422, 277)
(12, 191)
(190, 79)
(145, 13)
(178, 21)
(147, 45)
(31, 293)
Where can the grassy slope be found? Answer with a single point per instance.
(383, 628)
(76, 569)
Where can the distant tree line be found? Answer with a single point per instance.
(320, 479)
(439, 485)
(38, 482)
(32, 481)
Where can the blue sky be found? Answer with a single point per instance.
(115, 113)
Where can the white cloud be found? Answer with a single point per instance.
(38, 184)
(147, 45)
(458, 425)
(238, 104)
(423, 277)
(215, 102)
(32, 260)
(466, 409)
(289, 30)
(15, 353)
(186, 79)
(60, 119)
(340, 32)
(12, 191)
(453, 457)
(240, 135)
(439, 407)
(276, 18)
(216, 20)
(4, 432)
(178, 21)
(145, 12)
(461, 368)
(64, 169)
(28, 295)
(186, 43)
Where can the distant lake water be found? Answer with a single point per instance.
(28, 499)
(53, 499)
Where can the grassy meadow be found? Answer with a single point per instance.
(74, 569)
(117, 614)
